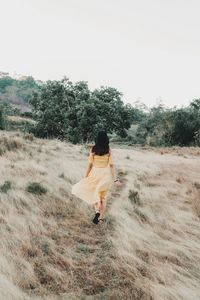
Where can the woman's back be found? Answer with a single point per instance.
(100, 161)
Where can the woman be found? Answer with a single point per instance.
(99, 177)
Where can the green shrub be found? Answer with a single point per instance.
(134, 197)
(36, 188)
(84, 248)
(46, 248)
(62, 175)
(4, 188)
(141, 215)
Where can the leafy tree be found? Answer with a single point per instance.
(81, 91)
(50, 107)
(114, 115)
(72, 112)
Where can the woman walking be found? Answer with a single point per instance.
(99, 178)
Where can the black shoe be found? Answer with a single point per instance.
(96, 218)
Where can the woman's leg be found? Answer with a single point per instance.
(103, 203)
(103, 208)
(97, 206)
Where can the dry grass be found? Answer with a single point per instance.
(19, 119)
(158, 243)
(149, 247)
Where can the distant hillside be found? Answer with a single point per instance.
(148, 247)
(17, 91)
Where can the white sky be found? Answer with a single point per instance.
(147, 49)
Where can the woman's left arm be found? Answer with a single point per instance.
(89, 169)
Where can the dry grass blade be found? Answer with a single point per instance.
(147, 248)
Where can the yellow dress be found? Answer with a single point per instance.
(95, 187)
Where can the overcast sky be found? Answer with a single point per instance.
(147, 49)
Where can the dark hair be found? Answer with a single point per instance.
(101, 146)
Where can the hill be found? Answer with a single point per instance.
(17, 91)
(148, 247)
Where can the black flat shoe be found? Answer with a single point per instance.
(96, 218)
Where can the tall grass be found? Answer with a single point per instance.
(148, 248)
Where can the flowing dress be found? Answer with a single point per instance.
(95, 187)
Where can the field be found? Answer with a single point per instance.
(148, 247)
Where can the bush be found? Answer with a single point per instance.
(2, 120)
(36, 188)
(141, 215)
(84, 248)
(46, 248)
(4, 188)
(134, 197)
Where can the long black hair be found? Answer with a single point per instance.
(101, 146)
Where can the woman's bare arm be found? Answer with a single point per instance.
(114, 174)
(113, 171)
(89, 169)
(112, 166)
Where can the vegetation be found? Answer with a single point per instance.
(70, 111)
(36, 188)
(134, 197)
(5, 187)
(9, 144)
(17, 91)
(168, 127)
(5, 110)
(2, 120)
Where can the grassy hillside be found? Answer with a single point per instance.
(148, 248)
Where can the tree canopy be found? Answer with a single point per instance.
(71, 111)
